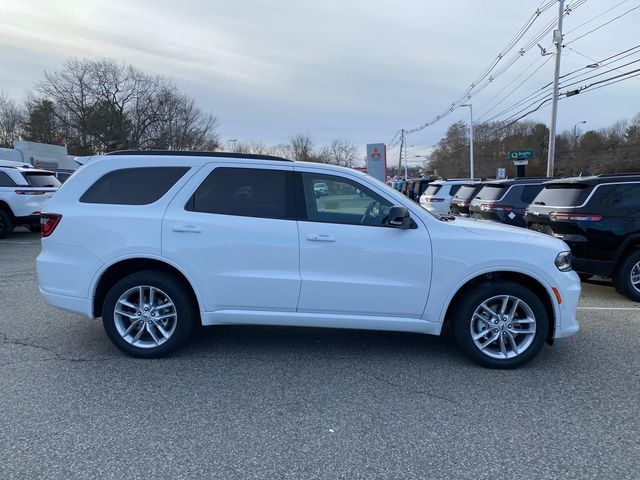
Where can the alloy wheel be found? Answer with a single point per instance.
(145, 316)
(503, 327)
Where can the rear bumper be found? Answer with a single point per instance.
(83, 306)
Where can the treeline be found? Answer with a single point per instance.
(613, 149)
(97, 106)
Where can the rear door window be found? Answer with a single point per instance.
(491, 192)
(562, 195)
(246, 192)
(133, 186)
(41, 179)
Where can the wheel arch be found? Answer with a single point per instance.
(7, 208)
(631, 243)
(123, 267)
(528, 281)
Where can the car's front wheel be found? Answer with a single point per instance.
(500, 324)
(148, 314)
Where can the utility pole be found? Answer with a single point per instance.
(401, 147)
(406, 161)
(575, 141)
(470, 136)
(557, 42)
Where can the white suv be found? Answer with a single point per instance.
(23, 191)
(437, 197)
(155, 242)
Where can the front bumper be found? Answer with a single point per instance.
(568, 285)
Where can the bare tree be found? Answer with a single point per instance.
(302, 147)
(102, 105)
(340, 152)
(11, 120)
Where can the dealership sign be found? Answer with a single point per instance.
(377, 160)
(520, 157)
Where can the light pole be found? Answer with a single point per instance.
(234, 141)
(470, 135)
(575, 140)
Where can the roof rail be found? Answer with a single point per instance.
(186, 153)
(626, 174)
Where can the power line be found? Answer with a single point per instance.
(603, 25)
(596, 17)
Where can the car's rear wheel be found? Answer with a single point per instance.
(627, 277)
(6, 224)
(148, 314)
(500, 325)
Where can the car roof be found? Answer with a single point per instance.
(598, 179)
(452, 181)
(507, 182)
(174, 153)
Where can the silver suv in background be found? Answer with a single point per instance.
(437, 197)
(23, 191)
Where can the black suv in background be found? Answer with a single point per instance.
(462, 199)
(506, 200)
(599, 218)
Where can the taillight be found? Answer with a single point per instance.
(49, 222)
(434, 199)
(574, 217)
(496, 208)
(462, 203)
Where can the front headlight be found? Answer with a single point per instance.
(563, 261)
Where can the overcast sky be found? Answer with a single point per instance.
(353, 69)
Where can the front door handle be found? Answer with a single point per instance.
(318, 237)
(186, 229)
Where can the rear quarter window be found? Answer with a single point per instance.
(133, 186)
(529, 193)
(454, 189)
(432, 189)
(6, 180)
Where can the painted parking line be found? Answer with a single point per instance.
(637, 309)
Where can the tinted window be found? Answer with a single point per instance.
(5, 180)
(432, 189)
(41, 179)
(562, 195)
(246, 192)
(454, 189)
(624, 196)
(529, 192)
(466, 192)
(345, 201)
(491, 192)
(133, 186)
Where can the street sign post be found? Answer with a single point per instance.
(377, 161)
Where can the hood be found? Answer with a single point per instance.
(485, 228)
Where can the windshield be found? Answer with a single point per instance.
(562, 194)
(491, 192)
(466, 192)
(432, 189)
(41, 179)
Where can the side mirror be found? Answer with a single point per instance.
(399, 218)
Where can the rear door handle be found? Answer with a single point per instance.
(318, 237)
(186, 229)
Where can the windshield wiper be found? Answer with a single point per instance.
(539, 203)
(446, 218)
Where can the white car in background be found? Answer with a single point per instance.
(437, 197)
(23, 191)
(157, 242)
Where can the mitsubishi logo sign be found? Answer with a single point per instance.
(377, 160)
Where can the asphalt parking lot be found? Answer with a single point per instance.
(258, 402)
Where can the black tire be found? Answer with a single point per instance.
(187, 313)
(622, 277)
(467, 305)
(6, 224)
(584, 276)
(34, 228)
